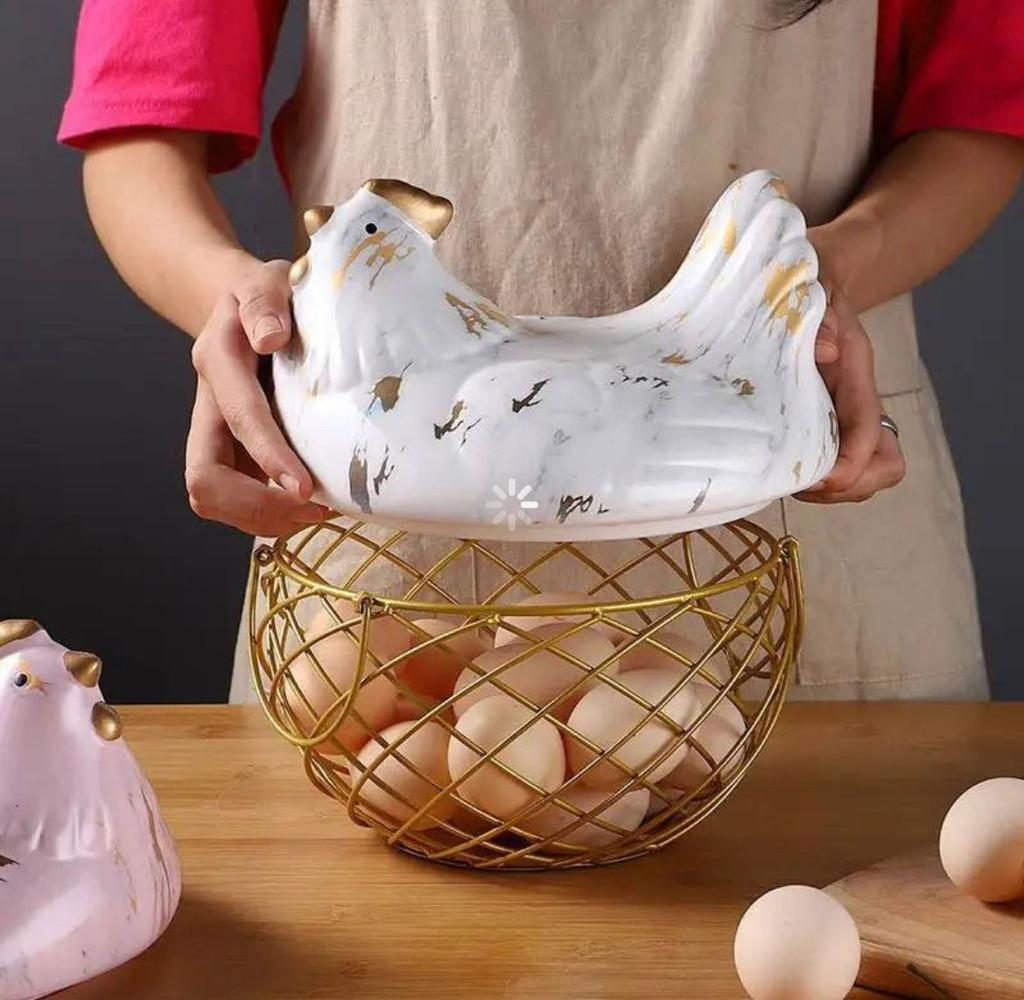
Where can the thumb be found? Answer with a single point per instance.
(263, 308)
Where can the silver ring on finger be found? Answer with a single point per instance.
(890, 425)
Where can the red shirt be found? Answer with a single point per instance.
(202, 64)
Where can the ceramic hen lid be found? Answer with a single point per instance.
(415, 400)
(89, 874)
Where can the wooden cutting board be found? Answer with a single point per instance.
(925, 939)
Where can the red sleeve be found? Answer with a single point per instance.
(185, 64)
(949, 64)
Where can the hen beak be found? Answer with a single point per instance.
(17, 628)
(84, 667)
(430, 212)
(106, 722)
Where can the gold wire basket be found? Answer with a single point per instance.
(371, 653)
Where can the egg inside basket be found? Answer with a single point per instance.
(472, 711)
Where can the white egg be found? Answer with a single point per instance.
(542, 675)
(434, 670)
(717, 734)
(427, 751)
(981, 843)
(536, 754)
(626, 813)
(554, 598)
(338, 654)
(647, 655)
(605, 716)
(797, 943)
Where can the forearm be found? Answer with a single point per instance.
(161, 223)
(924, 204)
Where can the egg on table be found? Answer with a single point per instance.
(625, 814)
(553, 598)
(605, 716)
(537, 755)
(433, 671)
(426, 750)
(542, 675)
(797, 943)
(981, 843)
(718, 734)
(338, 655)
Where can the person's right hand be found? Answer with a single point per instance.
(234, 444)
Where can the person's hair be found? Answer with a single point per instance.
(791, 11)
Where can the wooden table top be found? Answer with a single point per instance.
(286, 900)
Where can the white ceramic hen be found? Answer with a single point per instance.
(415, 400)
(89, 876)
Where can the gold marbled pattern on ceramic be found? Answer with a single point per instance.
(473, 318)
(386, 391)
(788, 282)
(729, 236)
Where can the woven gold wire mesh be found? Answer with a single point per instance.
(472, 729)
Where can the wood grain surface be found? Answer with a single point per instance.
(924, 938)
(286, 900)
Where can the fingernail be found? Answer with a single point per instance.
(288, 482)
(267, 327)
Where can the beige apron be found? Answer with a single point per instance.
(582, 142)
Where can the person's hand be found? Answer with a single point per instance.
(870, 458)
(234, 444)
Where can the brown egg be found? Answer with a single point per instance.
(427, 751)
(605, 716)
(433, 671)
(658, 802)
(338, 655)
(626, 813)
(647, 655)
(536, 754)
(717, 734)
(797, 943)
(981, 843)
(408, 709)
(553, 597)
(468, 823)
(542, 675)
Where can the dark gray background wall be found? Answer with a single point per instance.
(97, 540)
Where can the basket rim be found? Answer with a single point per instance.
(780, 549)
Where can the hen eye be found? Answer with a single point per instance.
(20, 680)
(371, 228)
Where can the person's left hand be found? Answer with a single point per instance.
(870, 458)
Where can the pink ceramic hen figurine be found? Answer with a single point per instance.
(89, 876)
